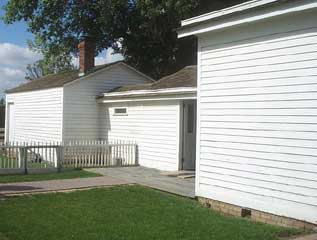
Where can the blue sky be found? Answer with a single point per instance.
(14, 54)
(15, 34)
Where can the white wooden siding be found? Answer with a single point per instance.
(154, 125)
(38, 115)
(257, 99)
(82, 115)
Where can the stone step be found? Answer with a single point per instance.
(186, 176)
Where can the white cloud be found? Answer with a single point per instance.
(11, 74)
(14, 55)
(10, 78)
(13, 62)
(110, 57)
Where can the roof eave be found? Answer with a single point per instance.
(227, 11)
(106, 67)
(12, 91)
(148, 93)
(202, 25)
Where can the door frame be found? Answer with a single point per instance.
(8, 120)
(182, 132)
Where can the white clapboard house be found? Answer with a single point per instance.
(160, 117)
(110, 102)
(249, 108)
(61, 107)
(257, 106)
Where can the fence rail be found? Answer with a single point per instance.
(38, 157)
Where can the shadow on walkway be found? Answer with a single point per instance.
(16, 188)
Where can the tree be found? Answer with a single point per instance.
(56, 61)
(2, 102)
(34, 71)
(145, 28)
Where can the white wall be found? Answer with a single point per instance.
(257, 123)
(82, 114)
(38, 115)
(154, 125)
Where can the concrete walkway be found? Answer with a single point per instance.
(151, 178)
(12, 189)
(308, 237)
(111, 177)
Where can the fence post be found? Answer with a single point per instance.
(136, 160)
(24, 158)
(60, 157)
(21, 159)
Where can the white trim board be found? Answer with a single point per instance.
(161, 98)
(223, 12)
(203, 24)
(137, 93)
(149, 95)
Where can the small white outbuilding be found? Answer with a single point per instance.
(110, 102)
(63, 106)
(257, 106)
(160, 117)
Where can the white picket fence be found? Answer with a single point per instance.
(99, 154)
(17, 157)
(38, 157)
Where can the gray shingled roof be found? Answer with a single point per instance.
(187, 77)
(55, 80)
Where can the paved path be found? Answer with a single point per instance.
(11, 189)
(308, 237)
(151, 178)
(112, 177)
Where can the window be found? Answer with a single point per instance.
(120, 111)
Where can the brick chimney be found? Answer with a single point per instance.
(87, 48)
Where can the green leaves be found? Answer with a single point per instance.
(55, 59)
(17, 10)
(144, 28)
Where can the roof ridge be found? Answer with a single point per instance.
(184, 78)
(173, 74)
(58, 79)
(53, 74)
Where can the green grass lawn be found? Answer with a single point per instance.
(47, 176)
(128, 212)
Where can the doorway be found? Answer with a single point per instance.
(10, 135)
(189, 121)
